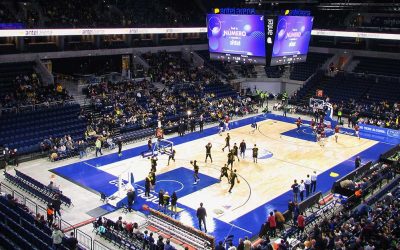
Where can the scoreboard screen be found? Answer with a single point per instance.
(236, 38)
(292, 39)
(259, 39)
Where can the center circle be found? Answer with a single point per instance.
(169, 185)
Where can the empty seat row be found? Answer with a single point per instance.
(36, 189)
(40, 186)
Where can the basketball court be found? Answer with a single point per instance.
(285, 154)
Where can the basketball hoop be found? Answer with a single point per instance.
(316, 103)
(160, 146)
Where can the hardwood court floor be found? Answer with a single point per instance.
(260, 182)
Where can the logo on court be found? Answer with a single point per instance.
(218, 211)
(265, 154)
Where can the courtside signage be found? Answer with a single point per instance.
(380, 131)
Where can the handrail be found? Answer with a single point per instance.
(99, 246)
(84, 239)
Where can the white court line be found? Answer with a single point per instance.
(247, 231)
(182, 186)
(89, 164)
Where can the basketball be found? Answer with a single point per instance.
(145, 207)
(238, 181)
(191, 162)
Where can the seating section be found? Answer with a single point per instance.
(8, 73)
(372, 223)
(135, 135)
(302, 71)
(247, 71)
(344, 86)
(274, 71)
(308, 90)
(121, 239)
(19, 229)
(378, 66)
(24, 131)
(35, 188)
(220, 90)
(217, 65)
(18, 226)
(175, 87)
(363, 89)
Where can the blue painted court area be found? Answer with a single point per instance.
(305, 133)
(180, 180)
(87, 175)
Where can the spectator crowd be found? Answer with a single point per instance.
(27, 90)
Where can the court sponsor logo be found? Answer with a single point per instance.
(153, 198)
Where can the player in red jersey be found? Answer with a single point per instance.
(298, 123)
(227, 119)
(322, 139)
(337, 131)
(357, 130)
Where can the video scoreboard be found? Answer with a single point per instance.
(259, 39)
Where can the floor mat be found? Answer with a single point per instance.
(100, 211)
